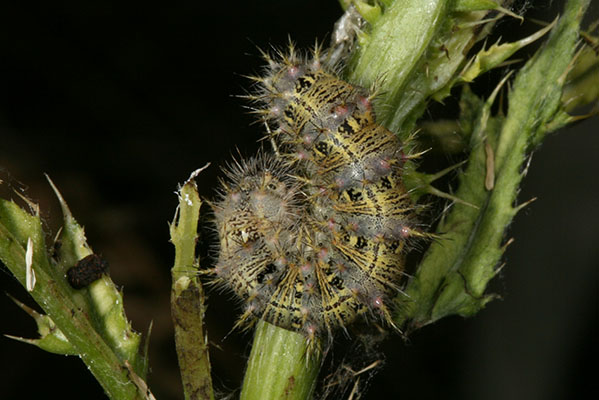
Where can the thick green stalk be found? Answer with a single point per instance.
(281, 365)
(187, 298)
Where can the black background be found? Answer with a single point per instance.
(118, 103)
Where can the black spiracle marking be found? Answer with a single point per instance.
(270, 268)
(386, 183)
(346, 129)
(361, 242)
(304, 83)
(323, 148)
(354, 195)
(337, 282)
(288, 113)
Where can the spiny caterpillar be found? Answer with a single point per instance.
(314, 235)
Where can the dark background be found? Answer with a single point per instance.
(118, 103)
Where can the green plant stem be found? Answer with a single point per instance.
(281, 365)
(187, 298)
(102, 301)
(56, 298)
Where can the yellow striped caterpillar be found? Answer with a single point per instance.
(314, 235)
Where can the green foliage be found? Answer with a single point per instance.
(457, 267)
(412, 52)
(89, 322)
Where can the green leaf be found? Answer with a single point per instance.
(69, 311)
(51, 338)
(102, 300)
(478, 5)
(371, 13)
(453, 276)
(582, 83)
(495, 55)
(412, 53)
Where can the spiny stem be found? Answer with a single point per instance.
(72, 316)
(187, 297)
